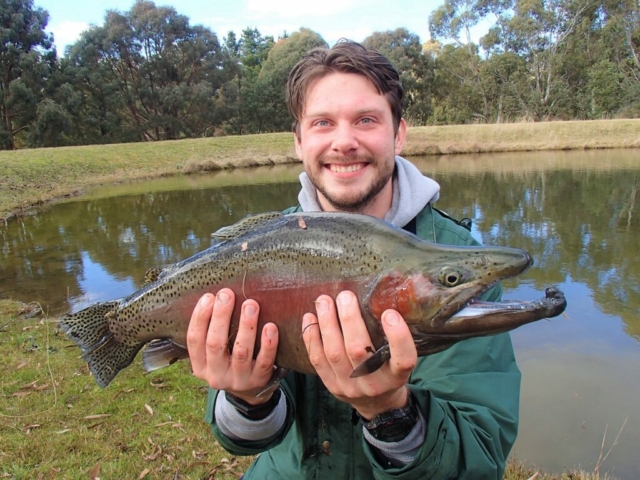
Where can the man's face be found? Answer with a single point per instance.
(348, 145)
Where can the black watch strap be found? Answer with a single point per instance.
(254, 412)
(394, 425)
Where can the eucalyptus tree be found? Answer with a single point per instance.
(271, 109)
(404, 50)
(242, 93)
(461, 93)
(538, 31)
(164, 71)
(27, 61)
(614, 80)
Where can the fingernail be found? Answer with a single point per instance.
(250, 309)
(223, 297)
(322, 305)
(205, 301)
(391, 318)
(344, 298)
(270, 330)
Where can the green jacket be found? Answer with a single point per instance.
(468, 394)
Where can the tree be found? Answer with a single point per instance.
(166, 72)
(618, 42)
(241, 95)
(454, 21)
(537, 31)
(404, 50)
(272, 79)
(27, 60)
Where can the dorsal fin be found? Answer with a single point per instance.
(155, 273)
(245, 225)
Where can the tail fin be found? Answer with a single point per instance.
(89, 329)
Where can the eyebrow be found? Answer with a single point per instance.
(358, 113)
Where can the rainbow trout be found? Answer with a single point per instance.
(285, 262)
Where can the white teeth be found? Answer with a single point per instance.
(345, 168)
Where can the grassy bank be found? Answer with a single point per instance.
(55, 422)
(29, 178)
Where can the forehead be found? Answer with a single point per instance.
(338, 90)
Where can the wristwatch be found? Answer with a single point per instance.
(394, 425)
(254, 412)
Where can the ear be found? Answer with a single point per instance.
(298, 144)
(401, 135)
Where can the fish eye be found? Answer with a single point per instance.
(450, 277)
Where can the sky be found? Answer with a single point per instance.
(332, 19)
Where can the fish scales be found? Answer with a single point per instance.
(285, 262)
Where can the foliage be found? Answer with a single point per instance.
(274, 72)
(543, 59)
(148, 74)
(164, 71)
(27, 59)
(415, 67)
(242, 95)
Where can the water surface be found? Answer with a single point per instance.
(575, 212)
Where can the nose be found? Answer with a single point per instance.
(345, 139)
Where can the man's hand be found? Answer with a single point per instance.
(207, 340)
(337, 341)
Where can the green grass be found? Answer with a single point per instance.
(29, 178)
(55, 422)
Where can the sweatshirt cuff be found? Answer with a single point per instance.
(401, 453)
(238, 427)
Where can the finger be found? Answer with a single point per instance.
(263, 367)
(404, 355)
(315, 348)
(218, 333)
(242, 352)
(332, 337)
(197, 332)
(358, 343)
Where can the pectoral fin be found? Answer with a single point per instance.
(373, 363)
(162, 353)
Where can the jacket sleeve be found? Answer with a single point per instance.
(470, 394)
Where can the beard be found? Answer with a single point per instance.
(357, 201)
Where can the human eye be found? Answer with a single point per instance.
(321, 123)
(367, 120)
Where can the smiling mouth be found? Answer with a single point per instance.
(346, 168)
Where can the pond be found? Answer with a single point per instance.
(576, 213)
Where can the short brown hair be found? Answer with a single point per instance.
(344, 57)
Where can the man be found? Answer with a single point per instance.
(449, 415)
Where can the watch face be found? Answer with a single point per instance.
(394, 431)
(394, 425)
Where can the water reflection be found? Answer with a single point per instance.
(575, 212)
(81, 252)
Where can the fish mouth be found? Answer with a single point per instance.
(489, 318)
(467, 294)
